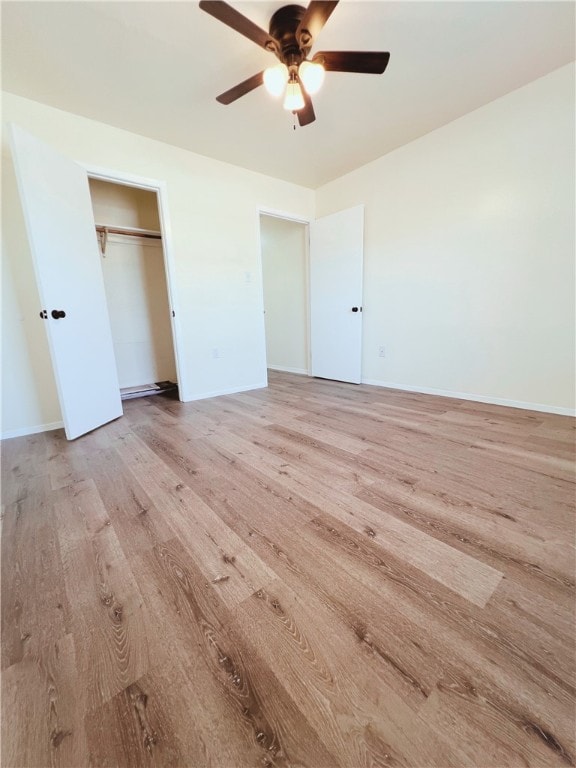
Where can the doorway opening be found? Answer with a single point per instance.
(313, 293)
(133, 260)
(284, 257)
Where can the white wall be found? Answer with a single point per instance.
(214, 224)
(469, 252)
(285, 279)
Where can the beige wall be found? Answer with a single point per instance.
(469, 255)
(469, 252)
(135, 285)
(213, 217)
(285, 277)
(124, 206)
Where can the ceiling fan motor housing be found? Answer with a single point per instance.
(283, 26)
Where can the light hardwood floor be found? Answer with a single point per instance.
(315, 574)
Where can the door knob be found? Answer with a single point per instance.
(354, 309)
(58, 313)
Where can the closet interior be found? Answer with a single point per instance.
(128, 227)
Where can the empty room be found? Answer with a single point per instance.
(288, 384)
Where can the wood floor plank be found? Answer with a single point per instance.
(243, 500)
(501, 661)
(281, 420)
(523, 553)
(320, 668)
(138, 524)
(139, 725)
(549, 615)
(526, 457)
(292, 550)
(66, 460)
(238, 700)
(206, 466)
(535, 640)
(311, 574)
(108, 619)
(465, 575)
(488, 731)
(513, 492)
(225, 557)
(31, 566)
(42, 724)
(23, 458)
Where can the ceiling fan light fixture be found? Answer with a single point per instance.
(294, 99)
(311, 74)
(275, 79)
(292, 34)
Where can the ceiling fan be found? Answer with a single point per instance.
(292, 32)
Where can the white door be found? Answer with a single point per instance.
(58, 214)
(336, 257)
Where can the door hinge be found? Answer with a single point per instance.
(173, 313)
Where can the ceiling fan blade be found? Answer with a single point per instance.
(233, 18)
(241, 89)
(315, 16)
(306, 114)
(369, 62)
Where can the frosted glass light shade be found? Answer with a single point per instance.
(275, 79)
(312, 76)
(294, 99)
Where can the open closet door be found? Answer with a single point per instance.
(336, 265)
(58, 214)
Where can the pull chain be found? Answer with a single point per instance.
(294, 119)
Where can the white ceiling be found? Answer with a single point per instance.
(154, 68)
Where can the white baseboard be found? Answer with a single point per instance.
(284, 369)
(23, 431)
(560, 411)
(227, 391)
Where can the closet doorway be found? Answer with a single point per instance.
(59, 217)
(128, 225)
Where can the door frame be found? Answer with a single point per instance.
(161, 190)
(297, 219)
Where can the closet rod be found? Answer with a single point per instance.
(103, 232)
(134, 232)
